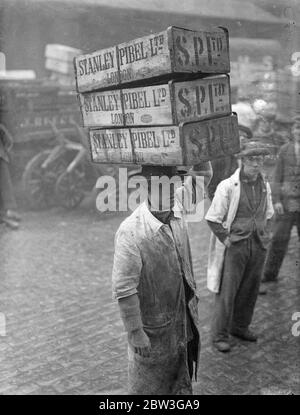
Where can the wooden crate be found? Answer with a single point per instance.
(61, 52)
(186, 144)
(173, 51)
(60, 66)
(165, 104)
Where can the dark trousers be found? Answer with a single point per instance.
(7, 197)
(281, 236)
(234, 304)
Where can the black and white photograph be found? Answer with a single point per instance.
(149, 200)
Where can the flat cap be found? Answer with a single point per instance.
(253, 148)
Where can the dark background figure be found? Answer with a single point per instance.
(264, 132)
(224, 167)
(264, 126)
(273, 129)
(8, 205)
(282, 127)
(286, 199)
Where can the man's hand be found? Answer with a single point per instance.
(279, 208)
(140, 342)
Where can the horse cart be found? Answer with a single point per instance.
(49, 157)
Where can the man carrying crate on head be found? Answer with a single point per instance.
(154, 284)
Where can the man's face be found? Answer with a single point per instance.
(253, 164)
(296, 132)
(161, 191)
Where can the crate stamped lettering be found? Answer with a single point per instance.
(210, 139)
(185, 144)
(157, 145)
(170, 103)
(174, 50)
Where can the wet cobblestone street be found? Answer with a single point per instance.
(63, 330)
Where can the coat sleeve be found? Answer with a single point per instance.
(220, 232)
(130, 312)
(127, 265)
(218, 209)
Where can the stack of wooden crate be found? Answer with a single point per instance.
(59, 62)
(163, 99)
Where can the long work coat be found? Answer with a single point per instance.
(223, 210)
(153, 259)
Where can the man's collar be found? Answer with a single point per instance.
(151, 219)
(164, 216)
(236, 176)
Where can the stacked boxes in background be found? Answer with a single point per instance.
(288, 92)
(59, 62)
(163, 99)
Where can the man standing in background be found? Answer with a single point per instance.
(286, 199)
(238, 217)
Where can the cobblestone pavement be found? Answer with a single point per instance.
(63, 334)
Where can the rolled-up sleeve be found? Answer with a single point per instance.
(127, 265)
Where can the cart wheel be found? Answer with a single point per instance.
(38, 183)
(70, 188)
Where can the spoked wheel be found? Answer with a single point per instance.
(70, 188)
(38, 182)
